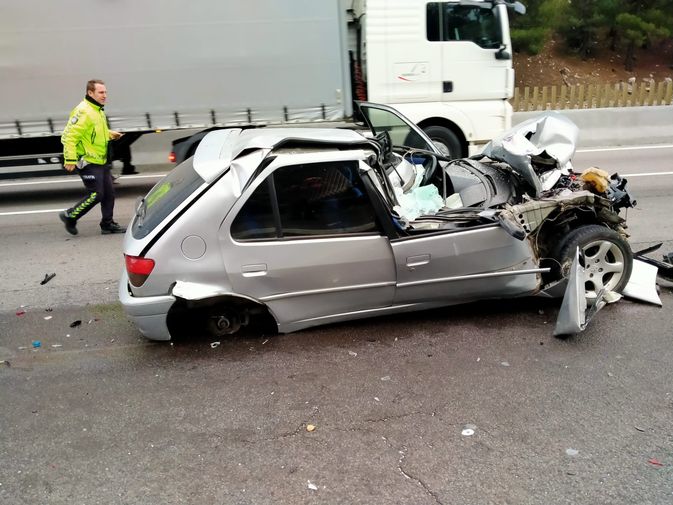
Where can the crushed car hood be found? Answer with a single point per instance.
(537, 149)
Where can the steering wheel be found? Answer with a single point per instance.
(429, 170)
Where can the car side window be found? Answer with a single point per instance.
(313, 199)
(451, 22)
(255, 220)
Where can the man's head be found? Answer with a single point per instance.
(96, 89)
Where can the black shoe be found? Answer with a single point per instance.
(112, 228)
(70, 223)
(129, 170)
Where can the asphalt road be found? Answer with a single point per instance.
(471, 405)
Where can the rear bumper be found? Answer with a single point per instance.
(148, 313)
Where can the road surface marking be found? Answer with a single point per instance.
(627, 148)
(74, 180)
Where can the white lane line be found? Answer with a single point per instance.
(24, 212)
(647, 174)
(69, 180)
(626, 148)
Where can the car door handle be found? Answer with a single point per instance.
(417, 261)
(253, 270)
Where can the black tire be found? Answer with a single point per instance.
(446, 141)
(606, 257)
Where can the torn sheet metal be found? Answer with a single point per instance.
(575, 314)
(547, 141)
(643, 283)
(664, 268)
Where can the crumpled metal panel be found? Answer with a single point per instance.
(550, 135)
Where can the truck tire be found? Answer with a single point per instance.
(605, 256)
(445, 140)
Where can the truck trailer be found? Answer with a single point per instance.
(171, 65)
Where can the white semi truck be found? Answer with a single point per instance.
(171, 64)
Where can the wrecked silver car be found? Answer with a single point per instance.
(314, 226)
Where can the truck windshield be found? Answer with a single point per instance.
(467, 23)
(165, 197)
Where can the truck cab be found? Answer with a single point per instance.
(445, 65)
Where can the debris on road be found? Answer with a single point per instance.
(36, 344)
(47, 318)
(213, 345)
(505, 363)
(312, 486)
(386, 378)
(655, 462)
(352, 353)
(468, 430)
(75, 324)
(56, 346)
(638, 428)
(47, 278)
(20, 313)
(572, 452)
(310, 427)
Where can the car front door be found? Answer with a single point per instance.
(303, 239)
(452, 265)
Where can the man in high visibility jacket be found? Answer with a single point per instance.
(85, 147)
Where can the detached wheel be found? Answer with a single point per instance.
(445, 140)
(605, 256)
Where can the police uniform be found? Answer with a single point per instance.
(85, 144)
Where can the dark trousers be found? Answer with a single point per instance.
(97, 180)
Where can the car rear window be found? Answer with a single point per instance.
(165, 197)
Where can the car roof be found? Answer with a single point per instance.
(220, 147)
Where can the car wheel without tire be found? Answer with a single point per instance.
(445, 140)
(605, 256)
(223, 322)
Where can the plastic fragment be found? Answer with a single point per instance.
(56, 345)
(36, 344)
(75, 324)
(655, 462)
(213, 345)
(352, 353)
(468, 430)
(310, 427)
(572, 452)
(20, 313)
(47, 318)
(47, 278)
(504, 363)
(312, 486)
(386, 378)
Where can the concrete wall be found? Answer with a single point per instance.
(620, 126)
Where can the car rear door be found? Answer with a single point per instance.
(304, 240)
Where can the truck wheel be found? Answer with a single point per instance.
(605, 256)
(445, 140)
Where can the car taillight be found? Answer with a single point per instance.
(171, 157)
(138, 269)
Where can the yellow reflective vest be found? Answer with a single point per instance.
(86, 135)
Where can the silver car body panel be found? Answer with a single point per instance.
(337, 273)
(147, 313)
(454, 264)
(217, 149)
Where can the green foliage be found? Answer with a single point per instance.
(529, 40)
(587, 25)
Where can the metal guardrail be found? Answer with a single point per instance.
(592, 96)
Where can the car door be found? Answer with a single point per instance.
(304, 240)
(452, 265)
